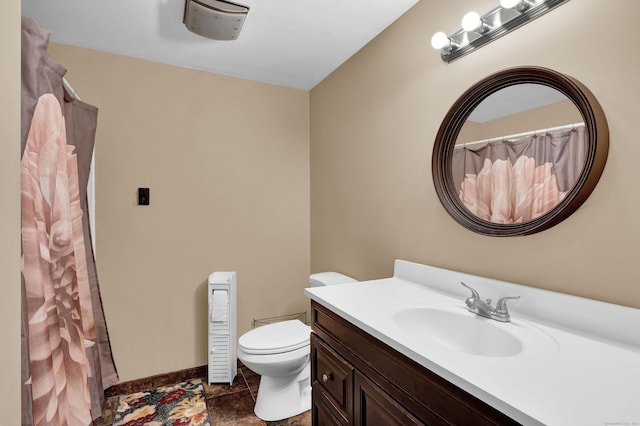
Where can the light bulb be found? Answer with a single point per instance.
(440, 41)
(471, 21)
(509, 4)
(519, 5)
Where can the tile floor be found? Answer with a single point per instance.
(228, 405)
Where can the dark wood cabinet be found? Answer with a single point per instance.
(374, 407)
(332, 383)
(359, 380)
(323, 412)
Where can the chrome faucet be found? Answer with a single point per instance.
(483, 307)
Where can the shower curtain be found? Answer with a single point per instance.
(516, 181)
(66, 354)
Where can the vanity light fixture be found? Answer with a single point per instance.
(479, 30)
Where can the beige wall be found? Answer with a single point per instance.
(374, 120)
(227, 164)
(10, 212)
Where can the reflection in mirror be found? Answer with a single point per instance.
(519, 151)
(519, 154)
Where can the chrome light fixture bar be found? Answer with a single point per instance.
(479, 30)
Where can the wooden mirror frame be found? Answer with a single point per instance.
(597, 149)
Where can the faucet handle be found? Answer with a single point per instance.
(474, 301)
(501, 313)
(474, 294)
(502, 302)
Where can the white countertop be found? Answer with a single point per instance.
(574, 369)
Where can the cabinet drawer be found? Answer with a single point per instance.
(332, 374)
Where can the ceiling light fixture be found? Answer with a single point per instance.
(479, 30)
(214, 19)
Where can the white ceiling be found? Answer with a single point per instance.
(292, 43)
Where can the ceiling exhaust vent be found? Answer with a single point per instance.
(214, 19)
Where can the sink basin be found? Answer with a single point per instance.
(461, 331)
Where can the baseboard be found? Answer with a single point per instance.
(145, 383)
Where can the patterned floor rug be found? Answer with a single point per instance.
(176, 405)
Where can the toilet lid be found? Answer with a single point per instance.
(275, 338)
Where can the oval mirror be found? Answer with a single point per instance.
(519, 152)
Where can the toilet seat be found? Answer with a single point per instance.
(284, 336)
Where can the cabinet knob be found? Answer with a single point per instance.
(327, 377)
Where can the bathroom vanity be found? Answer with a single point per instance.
(405, 350)
(357, 379)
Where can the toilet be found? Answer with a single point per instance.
(280, 354)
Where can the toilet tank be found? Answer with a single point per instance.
(320, 279)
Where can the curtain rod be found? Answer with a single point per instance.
(520, 135)
(69, 89)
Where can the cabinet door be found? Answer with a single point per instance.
(323, 412)
(331, 377)
(374, 407)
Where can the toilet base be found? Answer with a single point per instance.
(282, 397)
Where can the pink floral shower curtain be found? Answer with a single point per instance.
(516, 181)
(66, 354)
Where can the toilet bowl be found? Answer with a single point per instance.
(280, 354)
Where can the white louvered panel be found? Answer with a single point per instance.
(219, 327)
(222, 328)
(219, 346)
